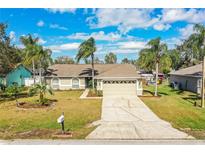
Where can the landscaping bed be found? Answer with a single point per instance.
(36, 104)
(178, 108)
(95, 93)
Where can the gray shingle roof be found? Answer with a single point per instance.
(101, 70)
(194, 71)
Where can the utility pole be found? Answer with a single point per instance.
(203, 77)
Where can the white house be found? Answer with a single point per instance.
(110, 78)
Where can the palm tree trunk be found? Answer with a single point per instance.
(41, 97)
(156, 78)
(92, 61)
(40, 73)
(34, 73)
(17, 102)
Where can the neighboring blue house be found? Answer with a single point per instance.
(2, 76)
(18, 75)
(2, 79)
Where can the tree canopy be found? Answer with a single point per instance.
(10, 55)
(87, 50)
(110, 58)
(156, 52)
(64, 60)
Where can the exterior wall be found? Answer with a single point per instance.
(30, 81)
(2, 80)
(18, 76)
(48, 81)
(65, 83)
(82, 84)
(139, 87)
(99, 85)
(192, 84)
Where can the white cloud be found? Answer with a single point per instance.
(97, 35)
(124, 19)
(40, 23)
(188, 15)
(172, 42)
(64, 47)
(160, 26)
(61, 10)
(117, 51)
(127, 51)
(12, 35)
(56, 26)
(41, 41)
(131, 45)
(186, 31)
(128, 19)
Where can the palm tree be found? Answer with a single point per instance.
(110, 58)
(87, 49)
(157, 50)
(200, 39)
(146, 60)
(30, 50)
(43, 55)
(35, 52)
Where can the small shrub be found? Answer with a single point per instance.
(13, 91)
(95, 93)
(40, 89)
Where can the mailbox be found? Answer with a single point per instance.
(61, 119)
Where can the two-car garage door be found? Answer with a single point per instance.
(119, 88)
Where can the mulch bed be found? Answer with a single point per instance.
(36, 133)
(61, 135)
(93, 94)
(27, 105)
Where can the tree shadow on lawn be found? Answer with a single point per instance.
(152, 93)
(5, 97)
(192, 99)
(177, 91)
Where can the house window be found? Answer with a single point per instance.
(55, 83)
(75, 83)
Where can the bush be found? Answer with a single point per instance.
(2, 87)
(13, 91)
(40, 89)
(95, 93)
(90, 83)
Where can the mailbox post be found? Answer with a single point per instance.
(61, 121)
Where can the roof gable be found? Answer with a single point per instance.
(17, 67)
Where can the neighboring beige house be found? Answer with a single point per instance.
(110, 78)
(188, 78)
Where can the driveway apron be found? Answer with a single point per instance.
(127, 117)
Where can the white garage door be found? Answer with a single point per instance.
(119, 88)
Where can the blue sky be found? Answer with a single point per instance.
(121, 31)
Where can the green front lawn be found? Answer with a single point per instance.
(177, 107)
(42, 123)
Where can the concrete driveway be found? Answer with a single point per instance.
(127, 117)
